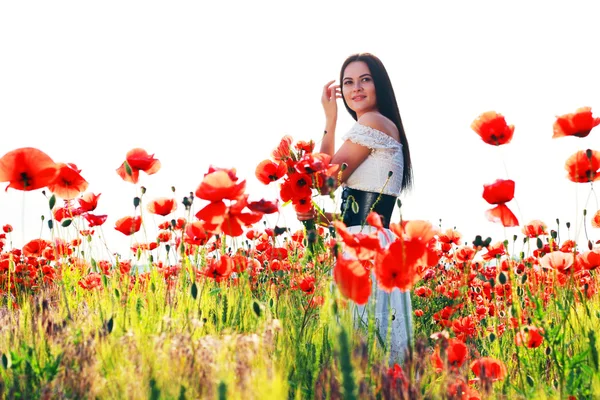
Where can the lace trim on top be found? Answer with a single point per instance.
(371, 138)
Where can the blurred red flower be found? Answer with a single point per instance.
(27, 169)
(138, 160)
(534, 229)
(88, 202)
(596, 220)
(399, 264)
(269, 171)
(282, 152)
(219, 269)
(94, 220)
(129, 225)
(264, 206)
(529, 336)
(501, 213)
(219, 185)
(162, 206)
(492, 128)
(583, 166)
(558, 261)
(353, 279)
(68, 183)
(363, 246)
(488, 368)
(501, 191)
(578, 124)
(229, 220)
(196, 234)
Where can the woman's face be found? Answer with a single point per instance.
(358, 88)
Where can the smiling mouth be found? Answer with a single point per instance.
(359, 98)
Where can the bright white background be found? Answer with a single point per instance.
(200, 83)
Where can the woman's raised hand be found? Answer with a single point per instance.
(329, 98)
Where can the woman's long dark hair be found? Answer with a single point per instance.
(386, 104)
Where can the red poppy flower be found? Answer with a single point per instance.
(302, 204)
(138, 160)
(589, 260)
(584, 166)
(501, 191)
(27, 169)
(596, 220)
(300, 185)
(268, 171)
(219, 185)
(374, 220)
(307, 284)
(360, 245)
(529, 336)
(492, 128)
(35, 247)
(501, 213)
(353, 279)
(229, 220)
(91, 281)
(578, 124)
(456, 354)
(162, 206)
(534, 229)
(68, 183)
(264, 206)
(88, 202)
(196, 234)
(488, 368)
(557, 260)
(129, 225)
(401, 263)
(94, 220)
(219, 269)
(7, 228)
(282, 152)
(313, 162)
(450, 236)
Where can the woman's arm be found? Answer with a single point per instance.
(329, 101)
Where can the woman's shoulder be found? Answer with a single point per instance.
(380, 123)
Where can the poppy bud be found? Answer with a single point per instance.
(539, 243)
(477, 242)
(584, 212)
(390, 173)
(588, 154)
(343, 166)
(173, 189)
(514, 238)
(590, 246)
(136, 202)
(143, 189)
(330, 182)
(568, 225)
(554, 234)
(50, 224)
(398, 203)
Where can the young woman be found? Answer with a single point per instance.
(377, 156)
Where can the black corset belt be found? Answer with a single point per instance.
(365, 201)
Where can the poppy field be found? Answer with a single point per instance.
(214, 302)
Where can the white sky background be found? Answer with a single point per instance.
(221, 83)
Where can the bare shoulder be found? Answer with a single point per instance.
(380, 122)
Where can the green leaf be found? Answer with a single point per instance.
(66, 223)
(117, 294)
(194, 290)
(52, 202)
(539, 243)
(214, 291)
(5, 361)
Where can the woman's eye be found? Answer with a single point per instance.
(366, 79)
(347, 83)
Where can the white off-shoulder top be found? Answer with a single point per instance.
(386, 155)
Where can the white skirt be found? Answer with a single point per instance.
(397, 302)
